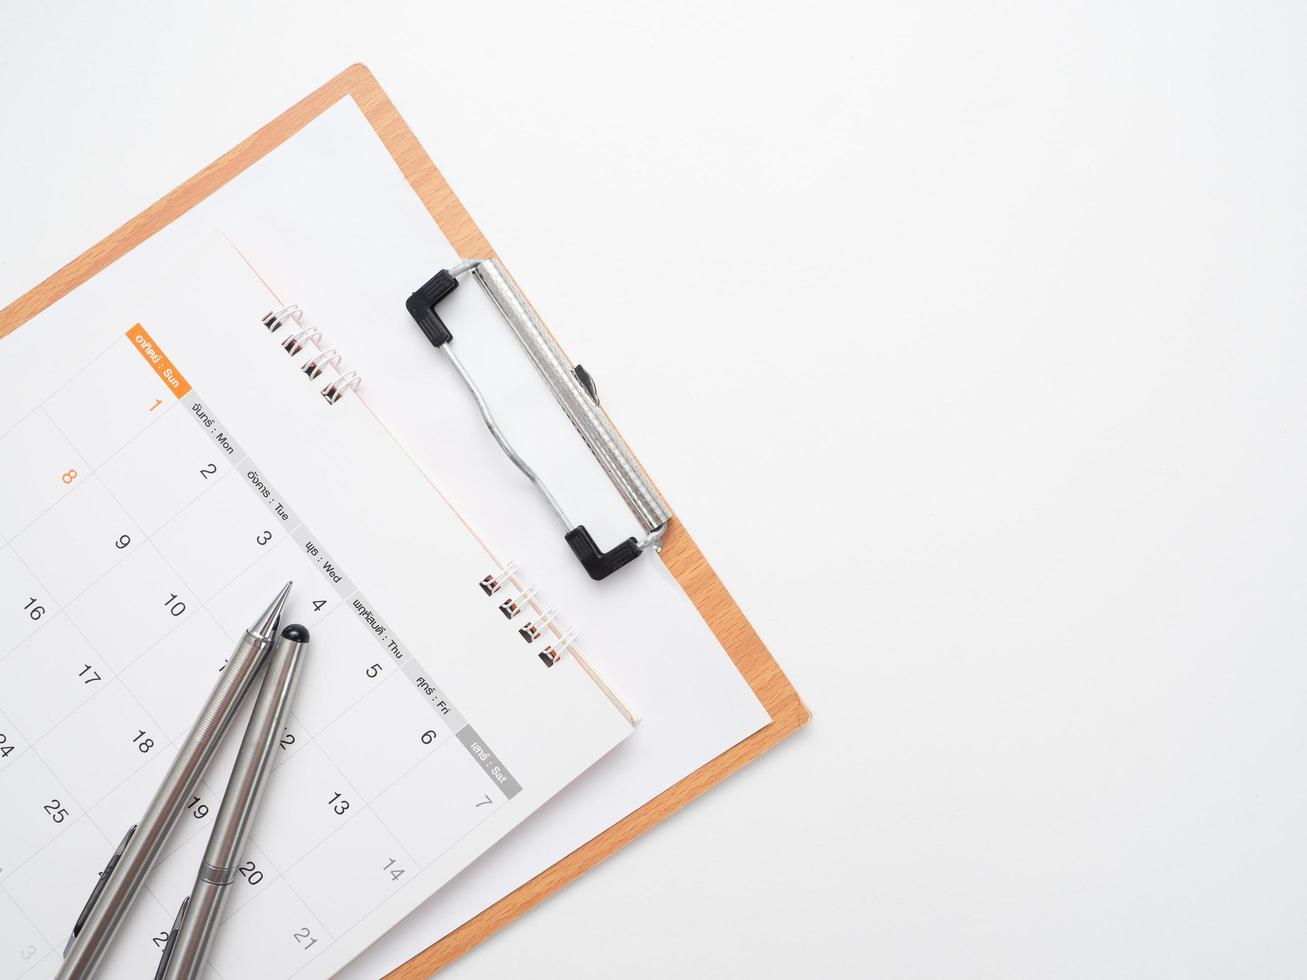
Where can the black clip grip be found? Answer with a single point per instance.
(422, 306)
(600, 564)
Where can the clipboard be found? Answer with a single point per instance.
(679, 552)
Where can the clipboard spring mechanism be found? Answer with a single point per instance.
(575, 392)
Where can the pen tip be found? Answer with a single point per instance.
(265, 627)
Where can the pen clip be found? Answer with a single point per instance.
(99, 887)
(171, 943)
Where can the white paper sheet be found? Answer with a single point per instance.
(168, 469)
(331, 224)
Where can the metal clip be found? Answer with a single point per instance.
(170, 943)
(99, 887)
(574, 390)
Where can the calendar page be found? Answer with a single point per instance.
(165, 467)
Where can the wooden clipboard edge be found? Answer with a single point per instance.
(680, 553)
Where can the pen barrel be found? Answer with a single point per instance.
(231, 827)
(165, 808)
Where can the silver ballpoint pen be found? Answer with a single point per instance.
(197, 920)
(129, 865)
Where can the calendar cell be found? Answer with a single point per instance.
(53, 910)
(136, 605)
(46, 678)
(440, 800)
(78, 539)
(306, 800)
(394, 716)
(174, 677)
(311, 600)
(255, 874)
(38, 807)
(164, 469)
(352, 872)
(51, 468)
(219, 536)
(274, 935)
(113, 399)
(332, 683)
(25, 605)
(21, 944)
(125, 739)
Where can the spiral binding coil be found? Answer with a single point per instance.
(533, 630)
(318, 360)
(493, 582)
(551, 654)
(511, 607)
(277, 319)
(527, 599)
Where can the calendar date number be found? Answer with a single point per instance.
(55, 811)
(250, 872)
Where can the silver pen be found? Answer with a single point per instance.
(118, 885)
(197, 920)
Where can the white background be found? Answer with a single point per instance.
(967, 340)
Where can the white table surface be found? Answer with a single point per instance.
(993, 323)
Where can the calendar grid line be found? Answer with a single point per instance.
(168, 742)
(23, 419)
(35, 928)
(130, 693)
(95, 469)
(64, 606)
(26, 527)
(159, 551)
(33, 744)
(300, 899)
(171, 630)
(78, 373)
(421, 866)
(85, 816)
(40, 962)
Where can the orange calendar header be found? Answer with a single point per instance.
(156, 358)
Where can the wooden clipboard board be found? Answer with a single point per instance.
(680, 553)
